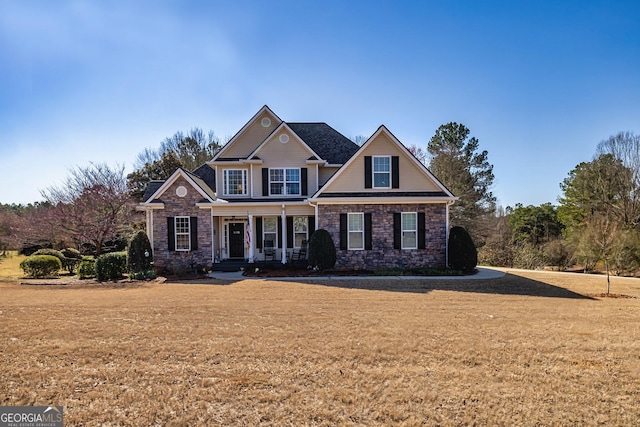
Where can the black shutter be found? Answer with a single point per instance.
(194, 233)
(171, 233)
(422, 244)
(259, 232)
(343, 231)
(265, 181)
(289, 231)
(312, 224)
(367, 172)
(395, 172)
(303, 184)
(397, 231)
(368, 240)
(279, 236)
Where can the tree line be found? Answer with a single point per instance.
(596, 220)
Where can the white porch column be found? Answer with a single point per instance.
(283, 219)
(251, 238)
(213, 240)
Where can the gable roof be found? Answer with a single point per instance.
(152, 187)
(285, 126)
(324, 140)
(442, 192)
(196, 182)
(265, 108)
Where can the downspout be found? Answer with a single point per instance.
(447, 235)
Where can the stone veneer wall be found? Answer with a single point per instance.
(181, 206)
(383, 255)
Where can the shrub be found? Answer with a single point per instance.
(139, 255)
(87, 269)
(41, 266)
(52, 252)
(72, 259)
(29, 248)
(322, 250)
(557, 253)
(111, 266)
(528, 256)
(463, 255)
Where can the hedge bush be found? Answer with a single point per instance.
(52, 252)
(38, 266)
(111, 266)
(139, 255)
(463, 255)
(322, 250)
(87, 269)
(72, 259)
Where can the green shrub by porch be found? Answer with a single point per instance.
(322, 250)
(38, 266)
(111, 266)
(463, 255)
(139, 254)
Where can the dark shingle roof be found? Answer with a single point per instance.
(327, 142)
(152, 187)
(207, 174)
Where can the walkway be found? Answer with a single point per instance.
(483, 273)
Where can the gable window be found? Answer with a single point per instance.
(182, 233)
(284, 182)
(270, 229)
(235, 182)
(355, 223)
(409, 230)
(381, 172)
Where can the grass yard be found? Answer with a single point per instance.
(526, 349)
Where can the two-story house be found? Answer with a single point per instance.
(275, 182)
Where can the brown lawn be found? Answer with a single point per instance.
(526, 349)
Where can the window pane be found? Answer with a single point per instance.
(269, 225)
(236, 181)
(300, 224)
(356, 222)
(299, 237)
(293, 188)
(293, 174)
(409, 240)
(182, 224)
(276, 174)
(381, 164)
(182, 242)
(381, 180)
(355, 240)
(276, 188)
(409, 221)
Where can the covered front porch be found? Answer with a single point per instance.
(264, 232)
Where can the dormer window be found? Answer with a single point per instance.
(284, 182)
(381, 171)
(235, 182)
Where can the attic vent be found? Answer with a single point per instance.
(181, 191)
(265, 122)
(284, 138)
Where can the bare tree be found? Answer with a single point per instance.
(419, 153)
(93, 205)
(625, 147)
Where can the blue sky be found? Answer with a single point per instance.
(539, 83)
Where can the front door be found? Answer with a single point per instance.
(236, 240)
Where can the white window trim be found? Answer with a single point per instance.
(176, 234)
(403, 230)
(285, 182)
(373, 171)
(361, 214)
(225, 182)
(274, 233)
(306, 233)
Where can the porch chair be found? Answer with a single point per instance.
(269, 250)
(301, 253)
